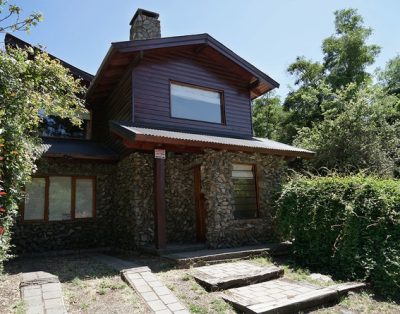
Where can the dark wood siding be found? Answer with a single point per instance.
(151, 86)
(118, 107)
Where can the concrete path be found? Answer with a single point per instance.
(41, 293)
(155, 294)
(229, 275)
(284, 296)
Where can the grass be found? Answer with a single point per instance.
(19, 307)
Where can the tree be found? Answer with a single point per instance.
(11, 20)
(346, 53)
(267, 115)
(31, 84)
(389, 77)
(345, 58)
(355, 133)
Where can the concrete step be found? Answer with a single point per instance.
(229, 275)
(285, 296)
(200, 257)
(173, 248)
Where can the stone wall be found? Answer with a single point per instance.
(223, 230)
(71, 234)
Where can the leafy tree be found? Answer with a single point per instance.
(389, 77)
(11, 20)
(346, 56)
(355, 133)
(267, 115)
(346, 53)
(31, 84)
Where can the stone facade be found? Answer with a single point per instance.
(71, 234)
(125, 203)
(223, 230)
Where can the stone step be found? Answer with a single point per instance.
(200, 257)
(229, 275)
(285, 296)
(173, 248)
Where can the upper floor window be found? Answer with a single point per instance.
(54, 126)
(196, 103)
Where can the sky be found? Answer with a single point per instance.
(268, 34)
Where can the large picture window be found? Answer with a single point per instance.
(56, 198)
(245, 191)
(54, 126)
(196, 103)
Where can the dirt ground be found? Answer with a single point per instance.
(91, 287)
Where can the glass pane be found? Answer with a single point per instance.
(60, 198)
(84, 198)
(242, 167)
(34, 200)
(58, 127)
(195, 103)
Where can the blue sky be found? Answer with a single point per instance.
(269, 34)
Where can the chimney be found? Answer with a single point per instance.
(145, 25)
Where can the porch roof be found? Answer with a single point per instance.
(158, 137)
(74, 148)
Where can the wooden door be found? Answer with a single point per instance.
(199, 204)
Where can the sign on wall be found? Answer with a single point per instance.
(159, 153)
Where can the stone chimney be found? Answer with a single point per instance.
(145, 25)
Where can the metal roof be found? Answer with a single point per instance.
(55, 147)
(258, 144)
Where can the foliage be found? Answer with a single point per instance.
(389, 77)
(31, 85)
(347, 226)
(267, 113)
(345, 58)
(359, 131)
(10, 18)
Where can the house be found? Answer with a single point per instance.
(167, 154)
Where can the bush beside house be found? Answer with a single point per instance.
(347, 226)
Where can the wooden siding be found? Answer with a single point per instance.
(151, 86)
(117, 107)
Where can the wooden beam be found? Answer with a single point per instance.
(160, 223)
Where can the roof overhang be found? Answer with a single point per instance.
(147, 139)
(123, 55)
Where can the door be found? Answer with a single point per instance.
(199, 205)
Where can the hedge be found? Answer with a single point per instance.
(347, 226)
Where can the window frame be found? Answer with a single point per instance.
(210, 89)
(73, 198)
(255, 180)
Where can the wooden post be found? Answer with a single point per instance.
(159, 203)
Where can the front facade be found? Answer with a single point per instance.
(167, 154)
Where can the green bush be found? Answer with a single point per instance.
(347, 226)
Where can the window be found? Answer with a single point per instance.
(245, 191)
(196, 103)
(59, 198)
(53, 126)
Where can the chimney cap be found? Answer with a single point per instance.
(144, 12)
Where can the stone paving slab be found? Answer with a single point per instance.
(284, 296)
(41, 293)
(156, 295)
(229, 275)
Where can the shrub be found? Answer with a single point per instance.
(348, 226)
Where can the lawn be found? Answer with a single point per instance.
(91, 287)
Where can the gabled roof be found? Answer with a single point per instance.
(11, 40)
(122, 55)
(133, 134)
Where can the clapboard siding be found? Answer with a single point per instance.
(151, 89)
(117, 107)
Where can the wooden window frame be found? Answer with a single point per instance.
(210, 89)
(255, 180)
(73, 199)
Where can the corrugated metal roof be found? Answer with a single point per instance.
(254, 142)
(76, 148)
